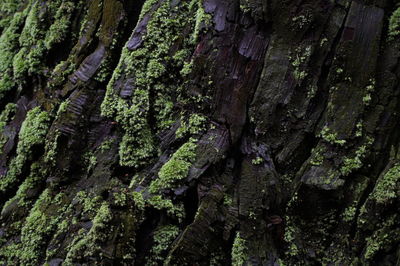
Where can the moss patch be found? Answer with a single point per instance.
(177, 168)
(239, 250)
(33, 132)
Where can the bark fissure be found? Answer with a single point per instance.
(201, 132)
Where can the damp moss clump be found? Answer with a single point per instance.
(394, 24)
(177, 168)
(43, 28)
(163, 238)
(87, 244)
(386, 235)
(33, 132)
(22, 197)
(5, 117)
(239, 250)
(195, 125)
(387, 187)
(137, 97)
(39, 225)
(9, 45)
(59, 29)
(331, 137)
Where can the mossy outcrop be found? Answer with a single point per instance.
(199, 132)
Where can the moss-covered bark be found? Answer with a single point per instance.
(199, 132)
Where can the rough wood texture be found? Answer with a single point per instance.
(202, 132)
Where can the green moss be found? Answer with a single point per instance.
(62, 108)
(31, 40)
(90, 203)
(90, 160)
(7, 9)
(354, 163)
(51, 148)
(104, 72)
(177, 168)
(38, 35)
(34, 179)
(140, 203)
(245, 6)
(9, 253)
(298, 61)
(384, 237)
(106, 145)
(317, 155)
(349, 213)
(257, 161)
(239, 251)
(228, 200)
(61, 72)
(194, 126)
(331, 137)
(147, 69)
(136, 148)
(311, 91)
(33, 132)
(359, 129)
(9, 46)
(41, 222)
(20, 66)
(163, 238)
(368, 91)
(5, 117)
(59, 29)
(87, 244)
(147, 6)
(160, 203)
(293, 250)
(388, 187)
(120, 198)
(394, 24)
(202, 19)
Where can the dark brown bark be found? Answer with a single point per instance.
(203, 132)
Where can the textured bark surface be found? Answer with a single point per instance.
(202, 132)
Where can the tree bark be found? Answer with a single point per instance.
(202, 132)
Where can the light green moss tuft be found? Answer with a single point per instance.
(394, 24)
(388, 186)
(33, 132)
(9, 46)
(354, 163)
(257, 161)
(202, 19)
(5, 117)
(331, 137)
(239, 251)
(163, 238)
(140, 203)
(384, 237)
(41, 222)
(177, 168)
(159, 203)
(59, 29)
(87, 244)
(194, 126)
(31, 182)
(147, 70)
(299, 60)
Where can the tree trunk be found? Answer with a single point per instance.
(202, 132)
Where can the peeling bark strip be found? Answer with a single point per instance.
(199, 132)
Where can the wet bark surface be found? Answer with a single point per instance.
(203, 132)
